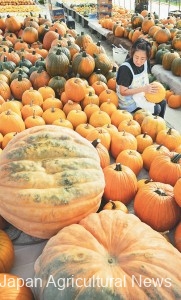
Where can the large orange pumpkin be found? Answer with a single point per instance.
(109, 255)
(50, 177)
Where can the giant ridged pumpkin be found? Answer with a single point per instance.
(109, 255)
(50, 177)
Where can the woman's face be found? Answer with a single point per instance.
(139, 57)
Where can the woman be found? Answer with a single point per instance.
(133, 81)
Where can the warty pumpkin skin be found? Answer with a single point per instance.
(118, 249)
(50, 177)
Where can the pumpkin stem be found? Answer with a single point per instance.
(113, 204)
(84, 54)
(96, 142)
(169, 132)
(159, 147)
(176, 158)
(118, 167)
(160, 192)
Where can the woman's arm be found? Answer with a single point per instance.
(149, 88)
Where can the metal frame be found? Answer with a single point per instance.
(163, 7)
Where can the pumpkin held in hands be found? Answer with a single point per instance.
(159, 95)
(50, 177)
(109, 255)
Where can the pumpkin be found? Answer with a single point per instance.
(30, 35)
(52, 102)
(57, 83)
(177, 191)
(70, 105)
(39, 78)
(75, 89)
(5, 91)
(110, 95)
(140, 114)
(158, 96)
(83, 40)
(121, 141)
(63, 123)
(116, 176)
(143, 141)
(14, 288)
(120, 115)
(176, 66)
(170, 138)
(77, 117)
(155, 205)
(108, 107)
(6, 252)
(103, 153)
(110, 128)
(99, 118)
(12, 23)
(166, 168)
(57, 63)
(168, 58)
(94, 48)
(90, 109)
(130, 126)
(32, 96)
(115, 205)
(83, 64)
(18, 86)
(84, 129)
(29, 109)
(102, 62)
(10, 121)
(128, 253)
(46, 92)
(99, 86)
(7, 137)
(90, 98)
(97, 76)
(56, 172)
(162, 36)
(150, 152)
(102, 134)
(174, 101)
(152, 125)
(34, 120)
(177, 237)
(131, 159)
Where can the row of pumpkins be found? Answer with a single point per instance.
(55, 175)
(163, 34)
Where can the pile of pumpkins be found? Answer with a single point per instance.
(60, 133)
(163, 34)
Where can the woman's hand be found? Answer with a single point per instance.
(151, 88)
